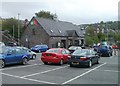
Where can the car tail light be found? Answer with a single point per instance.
(69, 57)
(83, 58)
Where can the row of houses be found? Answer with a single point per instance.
(54, 33)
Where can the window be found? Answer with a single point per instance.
(18, 51)
(67, 52)
(51, 31)
(63, 52)
(59, 31)
(33, 31)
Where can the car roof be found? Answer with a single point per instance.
(58, 48)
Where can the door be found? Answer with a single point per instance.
(10, 56)
(94, 56)
(18, 55)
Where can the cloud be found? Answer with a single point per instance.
(76, 11)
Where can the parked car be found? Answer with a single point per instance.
(55, 55)
(33, 54)
(105, 50)
(39, 48)
(2, 44)
(84, 57)
(10, 55)
(114, 46)
(73, 48)
(12, 44)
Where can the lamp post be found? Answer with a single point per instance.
(18, 28)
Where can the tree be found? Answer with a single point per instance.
(46, 14)
(9, 24)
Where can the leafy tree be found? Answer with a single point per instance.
(46, 14)
(9, 24)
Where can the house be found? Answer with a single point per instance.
(54, 33)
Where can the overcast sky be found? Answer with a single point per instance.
(75, 11)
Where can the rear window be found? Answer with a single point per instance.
(81, 52)
(74, 48)
(53, 50)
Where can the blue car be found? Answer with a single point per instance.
(105, 50)
(9, 55)
(39, 48)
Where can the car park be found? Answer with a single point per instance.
(55, 55)
(84, 57)
(73, 48)
(10, 55)
(39, 48)
(105, 50)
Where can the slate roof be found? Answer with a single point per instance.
(59, 28)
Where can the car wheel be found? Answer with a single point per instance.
(61, 62)
(45, 63)
(2, 64)
(33, 56)
(25, 61)
(71, 65)
(109, 54)
(89, 63)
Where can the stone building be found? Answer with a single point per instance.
(54, 33)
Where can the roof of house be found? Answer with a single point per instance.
(59, 28)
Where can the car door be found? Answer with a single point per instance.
(18, 54)
(94, 56)
(10, 56)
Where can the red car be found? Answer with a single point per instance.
(55, 55)
(114, 46)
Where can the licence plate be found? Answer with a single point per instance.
(75, 63)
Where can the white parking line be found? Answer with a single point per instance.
(20, 66)
(45, 82)
(44, 71)
(83, 74)
(108, 70)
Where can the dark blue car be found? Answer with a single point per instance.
(9, 55)
(39, 48)
(105, 50)
(84, 57)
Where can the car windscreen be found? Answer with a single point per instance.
(80, 52)
(53, 50)
(104, 47)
